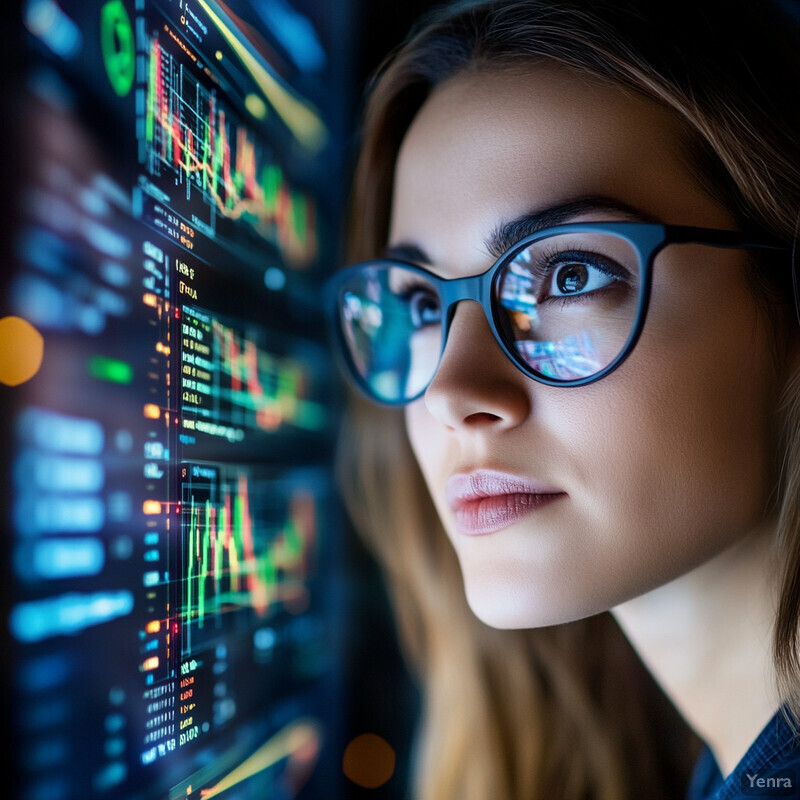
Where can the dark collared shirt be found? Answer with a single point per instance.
(769, 768)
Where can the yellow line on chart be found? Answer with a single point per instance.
(304, 123)
(287, 741)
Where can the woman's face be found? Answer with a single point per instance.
(564, 502)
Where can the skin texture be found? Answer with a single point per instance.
(667, 463)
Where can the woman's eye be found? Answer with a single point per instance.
(574, 277)
(424, 308)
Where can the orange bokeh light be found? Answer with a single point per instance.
(369, 760)
(21, 351)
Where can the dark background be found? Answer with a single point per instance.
(385, 697)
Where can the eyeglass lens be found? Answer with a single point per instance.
(564, 305)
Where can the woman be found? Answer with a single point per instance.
(610, 443)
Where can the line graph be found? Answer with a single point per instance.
(269, 388)
(299, 742)
(195, 141)
(288, 755)
(240, 553)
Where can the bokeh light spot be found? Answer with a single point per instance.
(256, 106)
(21, 351)
(368, 760)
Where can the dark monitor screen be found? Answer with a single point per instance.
(169, 404)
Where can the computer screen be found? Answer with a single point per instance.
(169, 403)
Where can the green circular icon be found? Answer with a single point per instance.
(116, 42)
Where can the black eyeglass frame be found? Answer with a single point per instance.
(647, 239)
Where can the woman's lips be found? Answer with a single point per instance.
(485, 501)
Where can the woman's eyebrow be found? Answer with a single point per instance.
(507, 234)
(406, 252)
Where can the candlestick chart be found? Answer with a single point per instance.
(249, 548)
(195, 142)
(237, 384)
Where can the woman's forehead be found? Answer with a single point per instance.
(487, 147)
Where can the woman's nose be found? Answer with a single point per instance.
(476, 385)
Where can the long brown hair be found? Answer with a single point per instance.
(568, 711)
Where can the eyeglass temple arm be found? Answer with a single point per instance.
(686, 234)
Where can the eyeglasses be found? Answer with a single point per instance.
(566, 305)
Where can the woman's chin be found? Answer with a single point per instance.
(499, 606)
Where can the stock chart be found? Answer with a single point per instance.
(169, 403)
